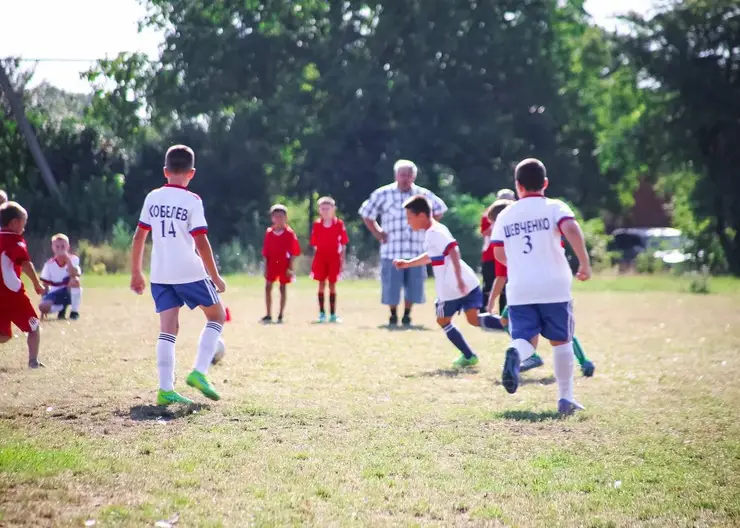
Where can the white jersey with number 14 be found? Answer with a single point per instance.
(174, 215)
(529, 231)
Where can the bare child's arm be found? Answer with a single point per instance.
(498, 286)
(206, 255)
(72, 270)
(574, 235)
(29, 269)
(138, 282)
(499, 254)
(421, 260)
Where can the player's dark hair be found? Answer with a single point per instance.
(418, 205)
(496, 207)
(179, 159)
(531, 174)
(10, 211)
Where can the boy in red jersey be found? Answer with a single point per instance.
(280, 248)
(15, 306)
(328, 238)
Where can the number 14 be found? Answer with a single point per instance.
(170, 231)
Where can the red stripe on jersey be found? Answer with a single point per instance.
(497, 243)
(199, 231)
(452, 245)
(565, 218)
(145, 227)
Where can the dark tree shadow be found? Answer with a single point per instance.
(441, 373)
(529, 416)
(144, 413)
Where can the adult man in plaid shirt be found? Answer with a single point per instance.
(397, 239)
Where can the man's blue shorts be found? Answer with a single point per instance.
(60, 297)
(410, 280)
(473, 300)
(192, 294)
(553, 321)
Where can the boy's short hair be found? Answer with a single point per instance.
(531, 174)
(10, 211)
(496, 207)
(3, 197)
(279, 208)
(60, 236)
(418, 205)
(179, 159)
(327, 200)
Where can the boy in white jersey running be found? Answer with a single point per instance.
(183, 272)
(458, 289)
(527, 239)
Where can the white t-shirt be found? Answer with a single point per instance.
(529, 231)
(439, 243)
(174, 215)
(56, 276)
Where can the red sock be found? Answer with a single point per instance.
(321, 302)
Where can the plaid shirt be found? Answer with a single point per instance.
(387, 202)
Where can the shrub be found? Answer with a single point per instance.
(103, 258)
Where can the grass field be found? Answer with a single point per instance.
(354, 424)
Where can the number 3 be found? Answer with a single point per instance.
(528, 242)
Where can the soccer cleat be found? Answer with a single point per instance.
(198, 381)
(532, 362)
(406, 321)
(34, 364)
(266, 319)
(334, 318)
(62, 313)
(510, 376)
(169, 397)
(393, 320)
(322, 317)
(588, 368)
(280, 319)
(74, 315)
(463, 362)
(567, 407)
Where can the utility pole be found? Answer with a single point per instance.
(16, 107)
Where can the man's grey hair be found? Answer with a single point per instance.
(405, 164)
(505, 194)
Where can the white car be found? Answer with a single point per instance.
(665, 243)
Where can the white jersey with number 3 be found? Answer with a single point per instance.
(529, 231)
(174, 215)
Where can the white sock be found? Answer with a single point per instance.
(207, 346)
(56, 308)
(524, 347)
(76, 294)
(166, 361)
(562, 364)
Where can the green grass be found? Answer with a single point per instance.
(355, 425)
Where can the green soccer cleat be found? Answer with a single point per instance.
(322, 317)
(334, 318)
(463, 362)
(169, 397)
(198, 381)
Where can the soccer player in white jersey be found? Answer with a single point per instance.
(527, 239)
(183, 272)
(62, 274)
(458, 289)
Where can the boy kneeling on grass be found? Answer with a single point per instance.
(61, 274)
(457, 286)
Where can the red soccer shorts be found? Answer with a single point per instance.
(278, 272)
(326, 268)
(17, 310)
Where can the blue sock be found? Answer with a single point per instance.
(454, 335)
(490, 321)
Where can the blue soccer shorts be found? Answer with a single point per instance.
(60, 297)
(553, 321)
(473, 300)
(192, 294)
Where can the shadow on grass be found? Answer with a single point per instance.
(397, 328)
(441, 373)
(547, 380)
(144, 413)
(528, 416)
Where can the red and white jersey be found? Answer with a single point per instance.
(529, 231)
(174, 215)
(56, 276)
(439, 243)
(13, 253)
